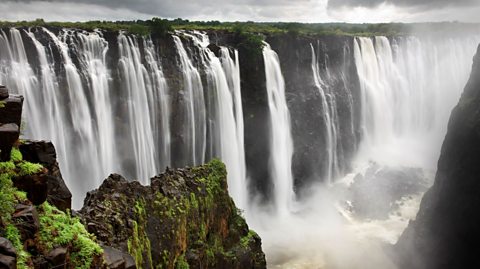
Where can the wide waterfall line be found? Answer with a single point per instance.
(281, 143)
(110, 109)
(409, 86)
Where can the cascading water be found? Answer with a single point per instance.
(194, 119)
(76, 95)
(330, 117)
(139, 91)
(115, 115)
(281, 147)
(408, 87)
(223, 79)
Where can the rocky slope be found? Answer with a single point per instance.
(446, 231)
(185, 217)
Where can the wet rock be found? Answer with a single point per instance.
(44, 153)
(6, 247)
(11, 110)
(116, 259)
(58, 257)
(3, 92)
(182, 215)
(26, 220)
(9, 133)
(8, 254)
(8, 262)
(34, 185)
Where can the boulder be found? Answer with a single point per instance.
(11, 111)
(8, 254)
(8, 262)
(116, 259)
(43, 152)
(9, 133)
(6, 247)
(58, 257)
(26, 220)
(34, 185)
(3, 92)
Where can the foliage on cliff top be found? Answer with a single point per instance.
(56, 227)
(161, 27)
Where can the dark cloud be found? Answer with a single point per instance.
(186, 8)
(418, 4)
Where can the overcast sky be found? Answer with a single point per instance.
(242, 10)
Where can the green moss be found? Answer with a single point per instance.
(16, 155)
(139, 244)
(28, 168)
(181, 263)
(60, 229)
(7, 168)
(249, 238)
(12, 234)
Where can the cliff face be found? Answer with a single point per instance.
(338, 74)
(446, 231)
(184, 218)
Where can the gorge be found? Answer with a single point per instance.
(329, 141)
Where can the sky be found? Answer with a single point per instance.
(245, 10)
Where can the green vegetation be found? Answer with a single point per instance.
(159, 26)
(181, 263)
(139, 244)
(60, 229)
(56, 227)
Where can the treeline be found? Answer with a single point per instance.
(159, 26)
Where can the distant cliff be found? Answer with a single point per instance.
(446, 232)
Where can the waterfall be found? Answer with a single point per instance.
(223, 79)
(281, 147)
(408, 87)
(330, 118)
(194, 120)
(139, 88)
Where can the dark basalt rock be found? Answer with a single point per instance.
(51, 180)
(34, 185)
(6, 248)
(8, 262)
(9, 133)
(3, 92)
(446, 231)
(11, 112)
(184, 216)
(58, 257)
(116, 259)
(26, 220)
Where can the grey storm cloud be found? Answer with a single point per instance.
(418, 4)
(187, 8)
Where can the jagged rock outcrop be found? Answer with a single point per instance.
(446, 232)
(184, 218)
(50, 184)
(10, 120)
